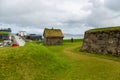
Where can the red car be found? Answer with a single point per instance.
(15, 44)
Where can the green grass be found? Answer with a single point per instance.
(31, 62)
(116, 28)
(35, 61)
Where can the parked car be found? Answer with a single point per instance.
(15, 45)
(7, 42)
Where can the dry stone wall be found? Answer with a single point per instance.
(106, 42)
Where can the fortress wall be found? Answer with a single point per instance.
(106, 42)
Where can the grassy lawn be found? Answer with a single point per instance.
(61, 62)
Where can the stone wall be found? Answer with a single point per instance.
(53, 41)
(106, 42)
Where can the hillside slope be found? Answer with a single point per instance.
(63, 62)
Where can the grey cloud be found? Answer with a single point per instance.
(73, 16)
(101, 16)
(44, 11)
(113, 4)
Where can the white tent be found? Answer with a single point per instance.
(19, 40)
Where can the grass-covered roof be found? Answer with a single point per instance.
(53, 33)
(2, 32)
(117, 28)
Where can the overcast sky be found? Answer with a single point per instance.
(72, 16)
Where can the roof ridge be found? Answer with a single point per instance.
(53, 33)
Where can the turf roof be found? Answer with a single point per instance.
(4, 32)
(53, 33)
(117, 28)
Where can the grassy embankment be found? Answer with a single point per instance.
(116, 28)
(61, 62)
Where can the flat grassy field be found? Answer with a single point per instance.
(35, 61)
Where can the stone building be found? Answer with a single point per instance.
(5, 34)
(104, 40)
(53, 36)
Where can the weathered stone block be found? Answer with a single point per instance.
(106, 42)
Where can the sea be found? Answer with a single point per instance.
(74, 36)
(68, 36)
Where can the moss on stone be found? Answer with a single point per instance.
(117, 28)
